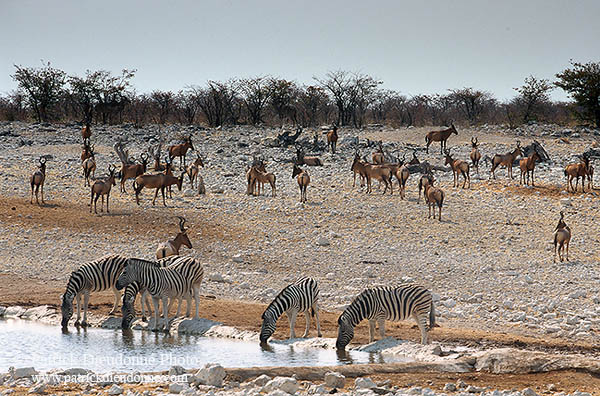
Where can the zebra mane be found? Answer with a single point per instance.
(355, 311)
(139, 261)
(278, 303)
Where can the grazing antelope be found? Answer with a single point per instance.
(378, 155)
(434, 196)
(180, 150)
(159, 181)
(475, 155)
(172, 246)
(193, 169)
(458, 166)
(87, 151)
(332, 138)
(425, 180)
(358, 166)
(562, 237)
(101, 187)
(302, 159)
(379, 172)
(131, 171)
(575, 171)
(37, 180)
(89, 169)
(259, 178)
(303, 179)
(528, 165)
(506, 160)
(440, 136)
(86, 132)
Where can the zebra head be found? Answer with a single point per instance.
(128, 312)
(345, 332)
(268, 326)
(66, 309)
(126, 277)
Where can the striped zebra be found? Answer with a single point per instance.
(161, 283)
(300, 296)
(391, 303)
(192, 271)
(95, 276)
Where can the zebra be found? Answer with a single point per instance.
(94, 276)
(300, 296)
(190, 268)
(162, 284)
(385, 302)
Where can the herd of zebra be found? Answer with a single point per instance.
(176, 278)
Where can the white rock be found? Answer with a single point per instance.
(189, 192)
(449, 387)
(215, 277)
(334, 380)
(261, 380)
(364, 383)
(211, 374)
(450, 303)
(528, 392)
(23, 372)
(323, 241)
(238, 258)
(176, 387)
(285, 384)
(115, 390)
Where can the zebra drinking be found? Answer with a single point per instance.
(94, 276)
(300, 296)
(391, 303)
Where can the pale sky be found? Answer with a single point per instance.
(413, 47)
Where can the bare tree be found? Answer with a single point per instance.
(112, 94)
(313, 103)
(534, 93)
(255, 95)
(164, 102)
(283, 97)
(43, 87)
(471, 102)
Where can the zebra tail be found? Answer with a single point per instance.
(432, 316)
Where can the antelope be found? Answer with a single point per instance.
(528, 165)
(89, 169)
(440, 136)
(37, 180)
(259, 178)
(562, 237)
(259, 164)
(578, 170)
(358, 167)
(180, 150)
(402, 174)
(88, 150)
(159, 181)
(414, 160)
(379, 172)
(302, 159)
(425, 180)
(506, 160)
(434, 196)
(590, 175)
(172, 246)
(475, 155)
(332, 138)
(102, 187)
(193, 169)
(303, 179)
(131, 171)
(458, 166)
(378, 155)
(155, 153)
(86, 132)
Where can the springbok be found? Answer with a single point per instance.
(575, 171)
(332, 138)
(506, 160)
(102, 187)
(180, 150)
(440, 136)
(475, 154)
(303, 179)
(528, 165)
(172, 246)
(37, 181)
(458, 166)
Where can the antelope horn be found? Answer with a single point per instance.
(181, 223)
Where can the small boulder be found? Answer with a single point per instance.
(23, 372)
(364, 383)
(323, 241)
(449, 387)
(335, 380)
(261, 380)
(115, 390)
(528, 392)
(176, 388)
(176, 370)
(285, 384)
(38, 388)
(211, 374)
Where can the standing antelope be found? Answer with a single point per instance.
(562, 237)
(88, 150)
(440, 136)
(590, 175)
(458, 166)
(159, 181)
(506, 160)
(37, 180)
(86, 132)
(332, 138)
(575, 171)
(101, 187)
(378, 155)
(303, 180)
(180, 150)
(258, 163)
(358, 166)
(528, 165)
(475, 155)
(402, 174)
(131, 171)
(434, 196)
(379, 172)
(89, 169)
(193, 169)
(259, 178)
(172, 246)
(425, 180)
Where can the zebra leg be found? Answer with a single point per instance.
(381, 324)
(144, 299)
(292, 319)
(116, 304)
(155, 302)
(188, 304)
(307, 317)
(165, 303)
(371, 330)
(316, 309)
(78, 310)
(422, 323)
(197, 301)
(86, 299)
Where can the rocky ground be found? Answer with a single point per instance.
(489, 262)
